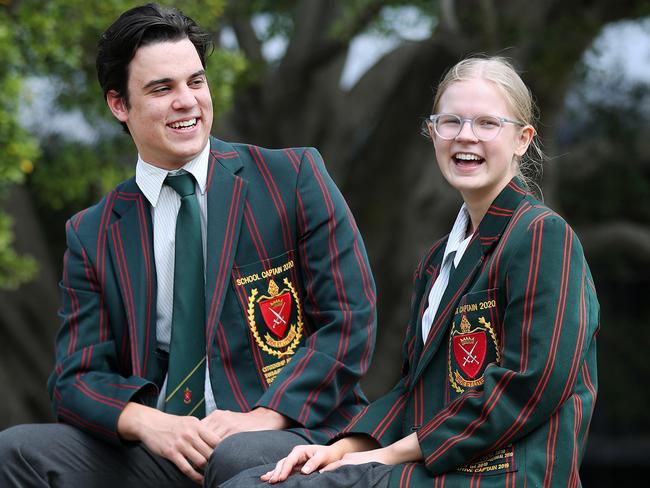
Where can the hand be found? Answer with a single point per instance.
(307, 458)
(224, 422)
(404, 450)
(311, 457)
(185, 441)
(381, 455)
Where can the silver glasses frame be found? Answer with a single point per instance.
(433, 118)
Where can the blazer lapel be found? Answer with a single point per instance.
(459, 281)
(130, 240)
(423, 303)
(226, 197)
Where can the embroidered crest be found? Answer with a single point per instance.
(275, 309)
(469, 348)
(187, 396)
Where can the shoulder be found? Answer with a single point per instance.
(531, 215)
(92, 221)
(259, 158)
(534, 225)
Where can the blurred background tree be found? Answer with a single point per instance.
(283, 74)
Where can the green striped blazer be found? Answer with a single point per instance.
(502, 392)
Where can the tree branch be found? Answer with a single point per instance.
(314, 43)
(448, 19)
(246, 38)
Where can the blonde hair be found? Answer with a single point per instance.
(501, 72)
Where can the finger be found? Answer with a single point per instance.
(314, 461)
(332, 466)
(297, 457)
(204, 453)
(275, 473)
(267, 476)
(194, 457)
(186, 468)
(210, 440)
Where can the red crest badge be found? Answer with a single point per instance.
(469, 351)
(187, 396)
(276, 312)
(276, 309)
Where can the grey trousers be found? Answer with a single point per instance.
(58, 455)
(370, 475)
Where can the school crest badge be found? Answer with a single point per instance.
(468, 351)
(277, 335)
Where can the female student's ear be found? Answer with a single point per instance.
(524, 139)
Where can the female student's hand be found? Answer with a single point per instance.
(309, 458)
(403, 451)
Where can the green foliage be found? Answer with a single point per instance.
(14, 269)
(17, 151)
(70, 171)
(56, 40)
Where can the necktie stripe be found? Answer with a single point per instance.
(198, 405)
(189, 375)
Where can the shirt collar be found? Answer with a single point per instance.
(150, 178)
(458, 231)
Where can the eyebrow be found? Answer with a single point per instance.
(160, 81)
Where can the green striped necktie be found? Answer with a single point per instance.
(185, 393)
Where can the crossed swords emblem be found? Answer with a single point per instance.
(470, 358)
(278, 318)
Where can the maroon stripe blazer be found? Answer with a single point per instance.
(290, 298)
(502, 392)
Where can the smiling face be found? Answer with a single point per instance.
(169, 114)
(479, 170)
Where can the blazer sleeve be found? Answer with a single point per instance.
(383, 419)
(550, 321)
(338, 301)
(86, 387)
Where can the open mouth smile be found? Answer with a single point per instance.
(184, 124)
(467, 159)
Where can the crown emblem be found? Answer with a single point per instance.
(464, 325)
(274, 290)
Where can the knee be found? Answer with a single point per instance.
(228, 459)
(16, 468)
(31, 444)
(13, 442)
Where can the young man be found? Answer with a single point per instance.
(223, 290)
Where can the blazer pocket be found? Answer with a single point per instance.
(474, 339)
(269, 294)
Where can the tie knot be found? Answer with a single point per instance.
(183, 183)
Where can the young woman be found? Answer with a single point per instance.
(499, 374)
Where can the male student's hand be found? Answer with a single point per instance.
(184, 440)
(223, 423)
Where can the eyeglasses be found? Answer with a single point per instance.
(484, 127)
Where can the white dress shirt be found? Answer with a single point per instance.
(456, 245)
(165, 203)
